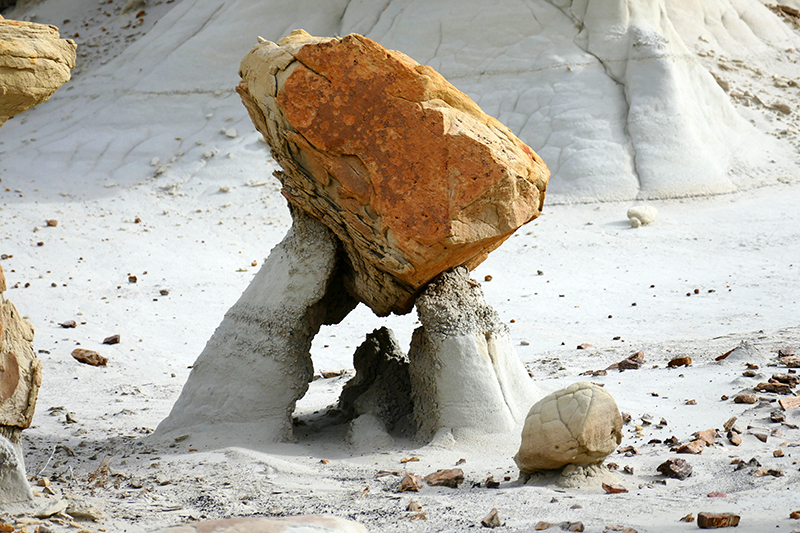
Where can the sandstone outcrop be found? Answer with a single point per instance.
(34, 62)
(20, 379)
(578, 425)
(405, 169)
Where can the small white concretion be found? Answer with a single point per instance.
(641, 215)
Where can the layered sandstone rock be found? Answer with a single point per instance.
(20, 379)
(406, 170)
(34, 62)
(578, 425)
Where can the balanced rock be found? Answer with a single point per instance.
(579, 425)
(405, 169)
(34, 62)
(20, 379)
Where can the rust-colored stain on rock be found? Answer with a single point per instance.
(406, 170)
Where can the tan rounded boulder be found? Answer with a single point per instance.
(579, 425)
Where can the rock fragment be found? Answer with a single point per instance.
(792, 402)
(747, 397)
(777, 388)
(613, 488)
(406, 170)
(642, 215)
(579, 425)
(113, 339)
(675, 468)
(680, 361)
(89, 357)
(410, 483)
(492, 519)
(695, 447)
(708, 436)
(716, 520)
(447, 478)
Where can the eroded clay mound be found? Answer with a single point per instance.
(406, 170)
(579, 425)
(34, 62)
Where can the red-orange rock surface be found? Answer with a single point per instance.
(406, 170)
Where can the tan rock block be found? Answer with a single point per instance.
(34, 62)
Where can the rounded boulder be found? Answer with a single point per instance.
(579, 425)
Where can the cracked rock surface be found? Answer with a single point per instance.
(578, 425)
(405, 169)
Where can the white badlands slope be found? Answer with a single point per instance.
(119, 144)
(617, 96)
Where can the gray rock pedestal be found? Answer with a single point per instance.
(465, 374)
(244, 385)
(461, 373)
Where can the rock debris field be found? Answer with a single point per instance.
(128, 231)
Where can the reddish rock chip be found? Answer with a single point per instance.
(405, 169)
(715, 520)
(612, 488)
(675, 468)
(410, 483)
(113, 339)
(695, 447)
(448, 478)
(708, 436)
(777, 388)
(89, 357)
(747, 397)
(680, 361)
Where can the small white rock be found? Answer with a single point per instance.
(160, 170)
(208, 154)
(232, 133)
(224, 188)
(154, 162)
(643, 214)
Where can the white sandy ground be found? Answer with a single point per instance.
(70, 160)
(745, 247)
